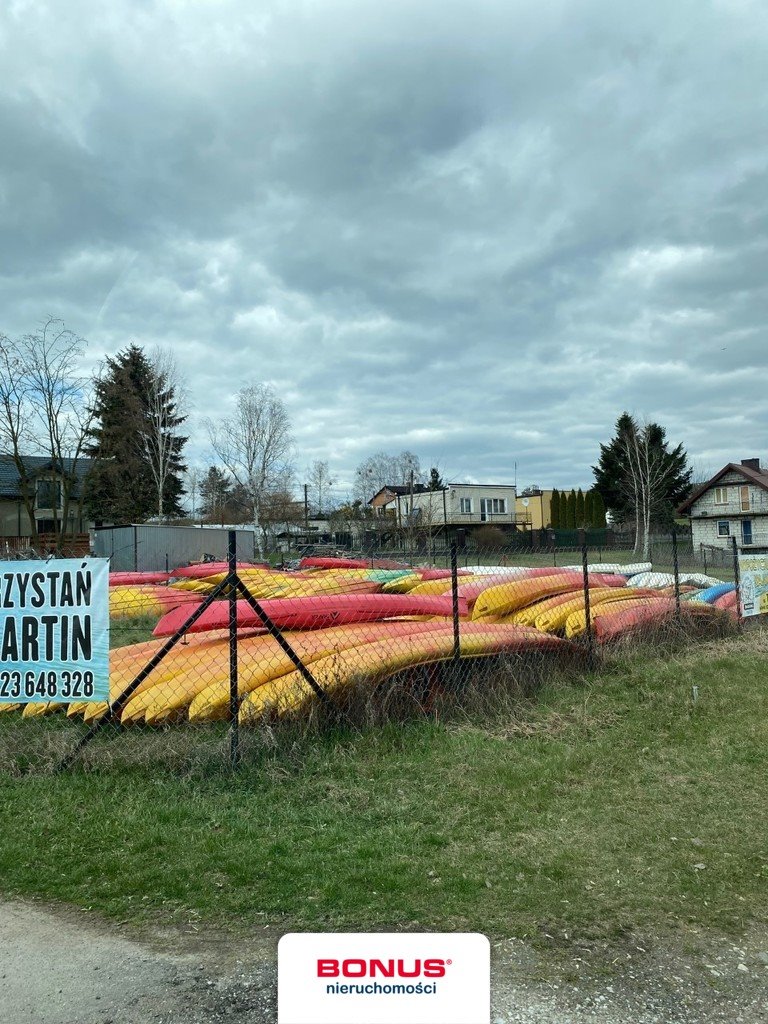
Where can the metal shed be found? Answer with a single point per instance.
(153, 548)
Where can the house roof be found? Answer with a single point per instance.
(35, 465)
(496, 486)
(398, 489)
(759, 477)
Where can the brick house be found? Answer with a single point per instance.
(733, 504)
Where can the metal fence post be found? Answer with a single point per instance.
(234, 703)
(676, 569)
(587, 610)
(737, 578)
(455, 599)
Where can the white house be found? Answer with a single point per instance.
(734, 503)
(454, 505)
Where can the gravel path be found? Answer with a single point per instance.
(61, 966)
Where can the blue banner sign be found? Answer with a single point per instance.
(753, 591)
(54, 631)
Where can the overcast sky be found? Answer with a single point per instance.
(478, 230)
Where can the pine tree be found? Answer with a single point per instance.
(589, 508)
(610, 471)
(580, 521)
(435, 482)
(598, 511)
(136, 450)
(570, 511)
(563, 510)
(554, 509)
(215, 496)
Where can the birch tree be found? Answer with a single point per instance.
(163, 404)
(653, 474)
(640, 479)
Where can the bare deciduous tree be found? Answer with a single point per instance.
(319, 479)
(381, 469)
(15, 428)
(650, 472)
(255, 445)
(193, 479)
(44, 411)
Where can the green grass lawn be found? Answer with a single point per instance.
(614, 804)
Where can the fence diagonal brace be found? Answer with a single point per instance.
(273, 630)
(117, 706)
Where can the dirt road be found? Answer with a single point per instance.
(62, 966)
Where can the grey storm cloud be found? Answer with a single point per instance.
(476, 230)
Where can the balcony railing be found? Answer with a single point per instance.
(437, 518)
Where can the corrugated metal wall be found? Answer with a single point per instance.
(138, 548)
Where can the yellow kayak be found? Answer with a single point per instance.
(505, 598)
(377, 661)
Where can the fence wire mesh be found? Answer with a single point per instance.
(217, 662)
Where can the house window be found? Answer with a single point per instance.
(721, 495)
(723, 528)
(495, 506)
(465, 506)
(492, 507)
(744, 494)
(49, 493)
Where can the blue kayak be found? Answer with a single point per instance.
(711, 594)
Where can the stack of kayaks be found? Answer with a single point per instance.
(351, 621)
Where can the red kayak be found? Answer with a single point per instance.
(606, 579)
(199, 572)
(318, 562)
(729, 603)
(334, 563)
(613, 621)
(136, 579)
(440, 574)
(312, 612)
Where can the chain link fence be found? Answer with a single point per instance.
(220, 662)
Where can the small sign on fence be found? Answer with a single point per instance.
(753, 592)
(54, 631)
